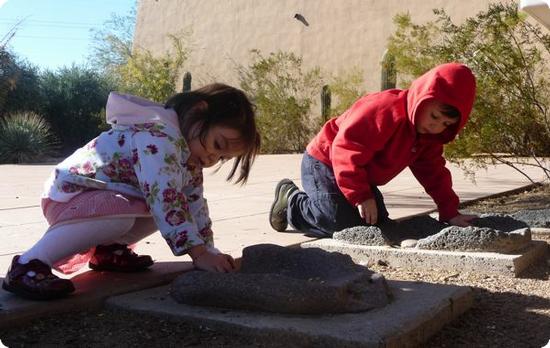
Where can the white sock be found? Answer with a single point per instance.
(65, 240)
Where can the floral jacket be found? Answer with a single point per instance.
(143, 155)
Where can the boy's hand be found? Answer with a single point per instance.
(368, 211)
(462, 220)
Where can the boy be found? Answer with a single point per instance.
(372, 142)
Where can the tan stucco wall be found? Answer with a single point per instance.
(341, 33)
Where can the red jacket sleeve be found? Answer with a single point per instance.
(429, 169)
(362, 131)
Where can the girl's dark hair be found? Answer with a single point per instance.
(224, 106)
(449, 111)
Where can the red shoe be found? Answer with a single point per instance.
(34, 280)
(118, 258)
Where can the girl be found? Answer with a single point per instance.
(142, 175)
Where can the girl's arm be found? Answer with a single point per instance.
(198, 206)
(159, 161)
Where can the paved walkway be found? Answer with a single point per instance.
(239, 213)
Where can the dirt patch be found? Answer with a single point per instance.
(534, 198)
(508, 312)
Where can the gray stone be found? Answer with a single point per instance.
(534, 218)
(490, 232)
(362, 235)
(283, 280)
(473, 238)
(501, 222)
(392, 232)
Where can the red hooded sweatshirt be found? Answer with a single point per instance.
(376, 138)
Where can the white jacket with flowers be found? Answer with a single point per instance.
(143, 155)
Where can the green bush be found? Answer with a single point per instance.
(346, 88)
(508, 55)
(25, 137)
(73, 101)
(152, 77)
(283, 94)
(24, 94)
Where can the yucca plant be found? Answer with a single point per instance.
(25, 137)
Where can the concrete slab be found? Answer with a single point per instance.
(540, 233)
(92, 288)
(418, 259)
(418, 311)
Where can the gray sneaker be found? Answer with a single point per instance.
(277, 214)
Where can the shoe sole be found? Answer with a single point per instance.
(33, 295)
(277, 194)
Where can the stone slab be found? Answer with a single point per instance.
(418, 311)
(276, 279)
(537, 233)
(460, 261)
(92, 288)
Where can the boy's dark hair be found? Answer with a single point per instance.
(225, 106)
(449, 111)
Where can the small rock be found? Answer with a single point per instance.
(409, 243)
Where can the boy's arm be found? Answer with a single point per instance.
(363, 130)
(429, 169)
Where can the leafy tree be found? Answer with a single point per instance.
(74, 99)
(510, 122)
(284, 94)
(133, 69)
(112, 45)
(7, 69)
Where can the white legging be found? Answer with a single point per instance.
(68, 239)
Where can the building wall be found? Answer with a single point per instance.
(340, 34)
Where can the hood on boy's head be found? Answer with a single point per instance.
(450, 83)
(126, 109)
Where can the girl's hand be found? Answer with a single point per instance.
(462, 220)
(369, 211)
(212, 262)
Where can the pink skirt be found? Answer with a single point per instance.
(90, 205)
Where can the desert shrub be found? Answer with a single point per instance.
(25, 137)
(345, 89)
(153, 77)
(283, 93)
(509, 56)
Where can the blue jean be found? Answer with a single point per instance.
(321, 209)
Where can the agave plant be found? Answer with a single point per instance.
(25, 137)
